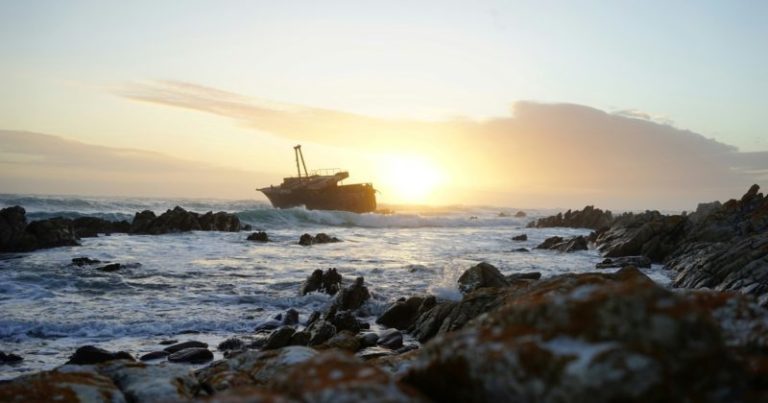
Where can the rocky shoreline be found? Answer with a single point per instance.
(574, 337)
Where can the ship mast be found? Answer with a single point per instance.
(299, 154)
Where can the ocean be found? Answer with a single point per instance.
(210, 286)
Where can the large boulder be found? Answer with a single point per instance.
(481, 275)
(53, 232)
(220, 221)
(648, 234)
(586, 337)
(557, 243)
(402, 314)
(86, 227)
(61, 386)
(353, 297)
(328, 282)
(13, 234)
(181, 220)
(93, 355)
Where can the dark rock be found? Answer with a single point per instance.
(155, 355)
(648, 234)
(13, 235)
(307, 239)
(521, 214)
(83, 261)
(300, 339)
(168, 342)
(589, 217)
(636, 261)
(328, 282)
(345, 320)
(343, 340)
(391, 338)
(368, 339)
(402, 314)
(220, 221)
(181, 220)
(521, 250)
(260, 236)
(520, 238)
(534, 275)
(564, 245)
(352, 297)
(9, 358)
(369, 353)
(93, 355)
(53, 232)
(481, 275)
(86, 227)
(279, 338)
(187, 344)
(111, 267)
(233, 343)
(192, 355)
(320, 331)
(291, 317)
(141, 222)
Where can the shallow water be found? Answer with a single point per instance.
(209, 286)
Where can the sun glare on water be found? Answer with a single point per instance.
(408, 179)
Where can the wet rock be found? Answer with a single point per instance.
(63, 386)
(291, 317)
(192, 355)
(556, 339)
(300, 339)
(233, 343)
(391, 338)
(84, 261)
(320, 331)
(93, 355)
(187, 344)
(345, 320)
(343, 378)
(352, 297)
(343, 340)
(260, 236)
(141, 222)
(481, 275)
(279, 338)
(402, 314)
(168, 342)
(220, 221)
(10, 358)
(589, 217)
(520, 238)
(328, 282)
(254, 368)
(636, 261)
(53, 232)
(110, 267)
(86, 227)
(321, 238)
(530, 276)
(370, 353)
(521, 250)
(155, 355)
(564, 245)
(13, 235)
(368, 339)
(521, 214)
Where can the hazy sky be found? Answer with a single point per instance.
(446, 75)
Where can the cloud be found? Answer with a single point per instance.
(550, 154)
(42, 163)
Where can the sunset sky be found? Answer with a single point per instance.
(622, 104)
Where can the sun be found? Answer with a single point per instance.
(404, 178)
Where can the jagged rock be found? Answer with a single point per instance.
(342, 378)
(344, 320)
(636, 261)
(9, 358)
(181, 220)
(279, 338)
(520, 238)
(481, 275)
(155, 355)
(648, 234)
(320, 331)
(589, 217)
(63, 386)
(402, 314)
(328, 282)
(564, 245)
(192, 355)
(86, 227)
(94, 355)
(391, 338)
(220, 221)
(84, 261)
(141, 222)
(352, 297)
(307, 239)
(584, 337)
(260, 236)
(187, 344)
